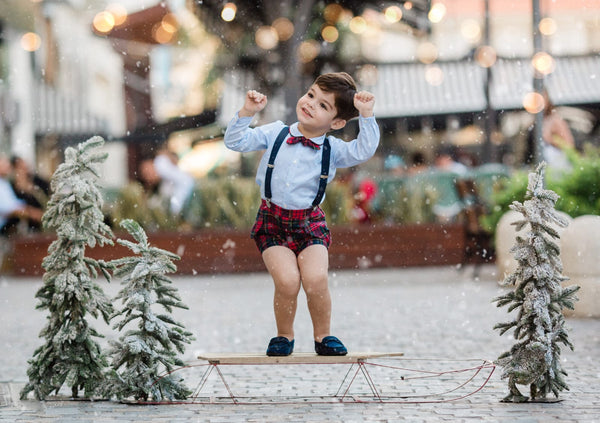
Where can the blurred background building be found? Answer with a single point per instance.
(145, 72)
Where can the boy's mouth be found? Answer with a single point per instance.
(306, 112)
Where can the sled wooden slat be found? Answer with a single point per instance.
(295, 358)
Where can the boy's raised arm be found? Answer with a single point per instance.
(364, 102)
(254, 103)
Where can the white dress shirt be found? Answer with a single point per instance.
(295, 178)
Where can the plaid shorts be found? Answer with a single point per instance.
(294, 229)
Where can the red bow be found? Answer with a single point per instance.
(305, 142)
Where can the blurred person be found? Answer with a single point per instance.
(163, 177)
(445, 160)
(418, 163)
(13, 209)
(394, 165)
(557, 137)
(363, 209)
(29, 187)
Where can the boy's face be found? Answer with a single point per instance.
(316, 112)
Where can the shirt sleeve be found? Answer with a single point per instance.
(359, 150)
(240, 137)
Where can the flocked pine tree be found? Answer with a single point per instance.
(144, 353)
(538, 298)
(69, 292)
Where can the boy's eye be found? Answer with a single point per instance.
(310, 95)
(323, 106)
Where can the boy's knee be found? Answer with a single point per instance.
(315, 284)
(288, 287)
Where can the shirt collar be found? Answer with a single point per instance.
(295, 132)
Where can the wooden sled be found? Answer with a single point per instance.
(255, 378)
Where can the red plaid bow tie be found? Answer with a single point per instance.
(305, 142)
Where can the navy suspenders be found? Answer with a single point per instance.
(324, 167)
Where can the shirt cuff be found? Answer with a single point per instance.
(243, 119)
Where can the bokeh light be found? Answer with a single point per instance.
(427, 52)
(332, 13)
(534, 102)
(119, 13)
(104, 22)
(485, 56)
(437, 12)
(266, 37)
(547, 26)
(330, 33)
(543, 63)
(308, 51)
(434, 75)
(367, 75)
(229, 11)
(358, 25)
(284, 28)
(393, 14)
(169, 22)
(31, 41)
(470, 29)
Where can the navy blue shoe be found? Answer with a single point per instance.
(280, 346)
(330, 345)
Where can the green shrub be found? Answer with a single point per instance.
(578, 188)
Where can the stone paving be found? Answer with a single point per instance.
(440, 317)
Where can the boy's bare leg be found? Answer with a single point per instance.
(282, 265)
(313, 262)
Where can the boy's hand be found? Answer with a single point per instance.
(254, 103)
(364, 102)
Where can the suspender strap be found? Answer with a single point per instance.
(324, 173)
(324, 167)
(271, 165)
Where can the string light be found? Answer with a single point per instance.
(266, 37)
(427, 52)
(284, 28)
(534, 102)
(229, 11)
(434, 75)
(31, 41)
(485, 56)
(543, 63)
(437, 12)
(330, 33)
(119, 13)
(104, 22)
(547, 26)
(308, 51)
(358, 25)
(393, 14)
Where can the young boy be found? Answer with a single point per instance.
(290, 229)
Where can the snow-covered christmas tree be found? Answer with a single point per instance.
(538, 298)
(69, 292)
(144, 353)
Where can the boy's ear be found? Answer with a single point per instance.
(338, 123)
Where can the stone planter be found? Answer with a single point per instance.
(580, 257)
(506, 236)
(232, 251)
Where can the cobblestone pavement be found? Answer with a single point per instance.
(440, 317)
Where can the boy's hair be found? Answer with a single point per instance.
(343, 88)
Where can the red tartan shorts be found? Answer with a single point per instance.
(294, 229)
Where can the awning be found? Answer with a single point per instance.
(575, 81)
(406, 89)
(414, 89)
